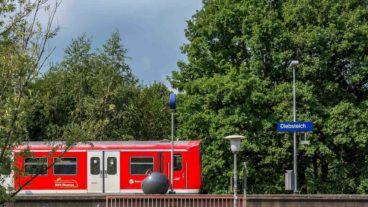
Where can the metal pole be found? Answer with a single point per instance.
(245, 184)
(295, 154)
(235, 183)
(172, 153)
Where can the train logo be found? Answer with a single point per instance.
(59, 183)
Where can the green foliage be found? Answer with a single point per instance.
(97, 92)
(151, 113)
(22, 54)
(82, 90)
(237, 80)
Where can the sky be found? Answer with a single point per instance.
(151, 30)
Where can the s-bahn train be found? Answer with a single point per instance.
(105, 166)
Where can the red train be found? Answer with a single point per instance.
(107, 167)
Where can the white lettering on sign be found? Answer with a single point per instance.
(293, 126)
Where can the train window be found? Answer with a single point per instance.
(34, 166)
(111, 165)
(65, 166)
(140, 165)
(95, 165)
(178, 159)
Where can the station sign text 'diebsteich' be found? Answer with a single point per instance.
(295, 126)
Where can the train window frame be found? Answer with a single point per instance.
(178, 168)
(24, 166)
(76, 164)
(99, 166)
(130, 164)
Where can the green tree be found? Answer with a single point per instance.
(152, 114)
(23, 52)
(236, 80)
(99, 85)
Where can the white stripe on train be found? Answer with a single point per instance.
(132, 191)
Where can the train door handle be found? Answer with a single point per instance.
(105, 173)
(101, 174)
(183, 175)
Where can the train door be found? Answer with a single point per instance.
(180, 170)
(112, 172)
(103, 172)
(94, 172)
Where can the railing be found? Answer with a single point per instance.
(172, 201)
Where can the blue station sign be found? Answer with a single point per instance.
(295, 126)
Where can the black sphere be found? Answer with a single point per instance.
(155, 183)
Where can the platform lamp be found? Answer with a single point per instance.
(235, 148)
(293, 65)
(172, 104)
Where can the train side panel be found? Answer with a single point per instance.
(186, 170)
(194, 170)
(135, 166)
(108, 167)
(69, 174)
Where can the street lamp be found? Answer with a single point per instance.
(235, 148)
(293, 65)
(172, 104)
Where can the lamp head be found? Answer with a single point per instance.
(305, 142)
(235, 142)
(294, 63)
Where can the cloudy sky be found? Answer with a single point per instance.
(151, 30)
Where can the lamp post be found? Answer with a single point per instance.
(293, 65)
(245, 184)
(235, 148)
(172, 104)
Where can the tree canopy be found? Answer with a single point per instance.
(99, 87)
(237, 80)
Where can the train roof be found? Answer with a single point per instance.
(110, 145)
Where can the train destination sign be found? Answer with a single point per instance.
(295, 126)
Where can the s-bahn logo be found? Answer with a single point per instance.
(59, 183)
(131, 181)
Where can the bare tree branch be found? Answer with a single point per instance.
(66, 149)
(35, 66)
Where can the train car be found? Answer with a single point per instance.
(106, 167)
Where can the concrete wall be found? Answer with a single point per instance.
(252, 201)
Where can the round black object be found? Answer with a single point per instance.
(155, 183)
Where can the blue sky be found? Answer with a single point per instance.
(151, 30)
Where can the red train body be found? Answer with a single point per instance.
(107, 167)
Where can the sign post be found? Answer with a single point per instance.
(291, 175)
